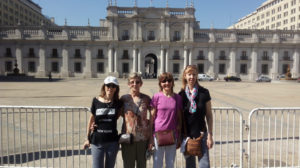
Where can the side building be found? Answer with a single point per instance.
(22, 12)
(148, 41)
(272, 15)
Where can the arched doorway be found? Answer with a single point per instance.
(150, 66)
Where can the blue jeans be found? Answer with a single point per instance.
(203, 161)
(108, 150)
(169, 152)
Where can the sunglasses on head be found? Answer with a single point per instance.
(166, 80)
(110, 85)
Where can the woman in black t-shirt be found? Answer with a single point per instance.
(196, 108)
(105, 112)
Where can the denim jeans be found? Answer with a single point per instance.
(169, 152)
(108, 150)
(203, 161)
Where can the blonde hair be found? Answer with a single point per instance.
(188, 69)
(165, 76)
(135, 76)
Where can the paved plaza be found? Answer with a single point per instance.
(79, 92)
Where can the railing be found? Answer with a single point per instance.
(43, 136)
(273, 137)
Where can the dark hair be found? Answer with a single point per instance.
(165, 76)
(116, 94)
(188, 69)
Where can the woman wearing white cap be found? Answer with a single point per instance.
(105, 112)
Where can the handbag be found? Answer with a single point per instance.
(126, 138)
(193, 146)
(165, 138)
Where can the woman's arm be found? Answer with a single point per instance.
(152, 117)
(89, 128)
(209, 119)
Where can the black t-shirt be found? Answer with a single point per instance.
(195, 122)
(106, 118)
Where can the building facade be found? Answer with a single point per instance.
(22, 12)
(272, 15)
(148, 41)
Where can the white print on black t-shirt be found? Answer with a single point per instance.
(105, 111)
(105, 120)
(104, 131)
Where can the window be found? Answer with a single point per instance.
(8, 66)
(265, 69)
(77, 67)
(77, 53)
(285, 14)
(125, 67)
(8, 52)
(279, 16)
(176, 68)
(222, 55)
(244, 55)
(279, 9)
(31, 66)
(125, 35)
(265, 55)
(286, 55)
(293, 11)
(151, 35)
(286, 6)
(200, 68)
(31, 52)
(285, 21)
(273, 19)
(100, 54)
(125, 54)
(293, 19)
(176, 36)
(285, 68)
(200, 55)
(54, 67)
(100, 67)
(244, 69)
(278, 24)
(54, 53)
(273, 11)
(222, 69)
(293, 27)
(176, 54)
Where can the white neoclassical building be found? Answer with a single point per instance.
(149, 41)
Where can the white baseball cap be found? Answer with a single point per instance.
(111, 79)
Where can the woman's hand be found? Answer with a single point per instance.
(210, 141)
(151, 144)
(86, 144)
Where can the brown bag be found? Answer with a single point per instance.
(193, 146)
(165, 138)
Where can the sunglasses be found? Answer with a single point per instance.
(166, 80)
(136, 82)
(111, 85)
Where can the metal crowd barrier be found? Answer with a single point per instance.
(49, 136)
(273, 137)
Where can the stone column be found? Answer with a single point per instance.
(116, 61)
(253, 57)
(211, 59)
(88, 62)
(296, 60)
(185, 57)
(110, 59)
(186, 31)
(19, 59)
(139, 30)
(135, 30)
(115, 26)
(65, 72)
(190, 56)
(162, 60)
(42, 62)
(167, 30)
(139, 61)
(162, 28)
(134, 60)
(232, 69)
(167, 60)
(275, 64)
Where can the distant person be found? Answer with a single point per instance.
(196, 108)
(136, 108)
(50, 76)
(105, 112)
(165, 117)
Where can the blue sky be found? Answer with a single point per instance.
(219, 13)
